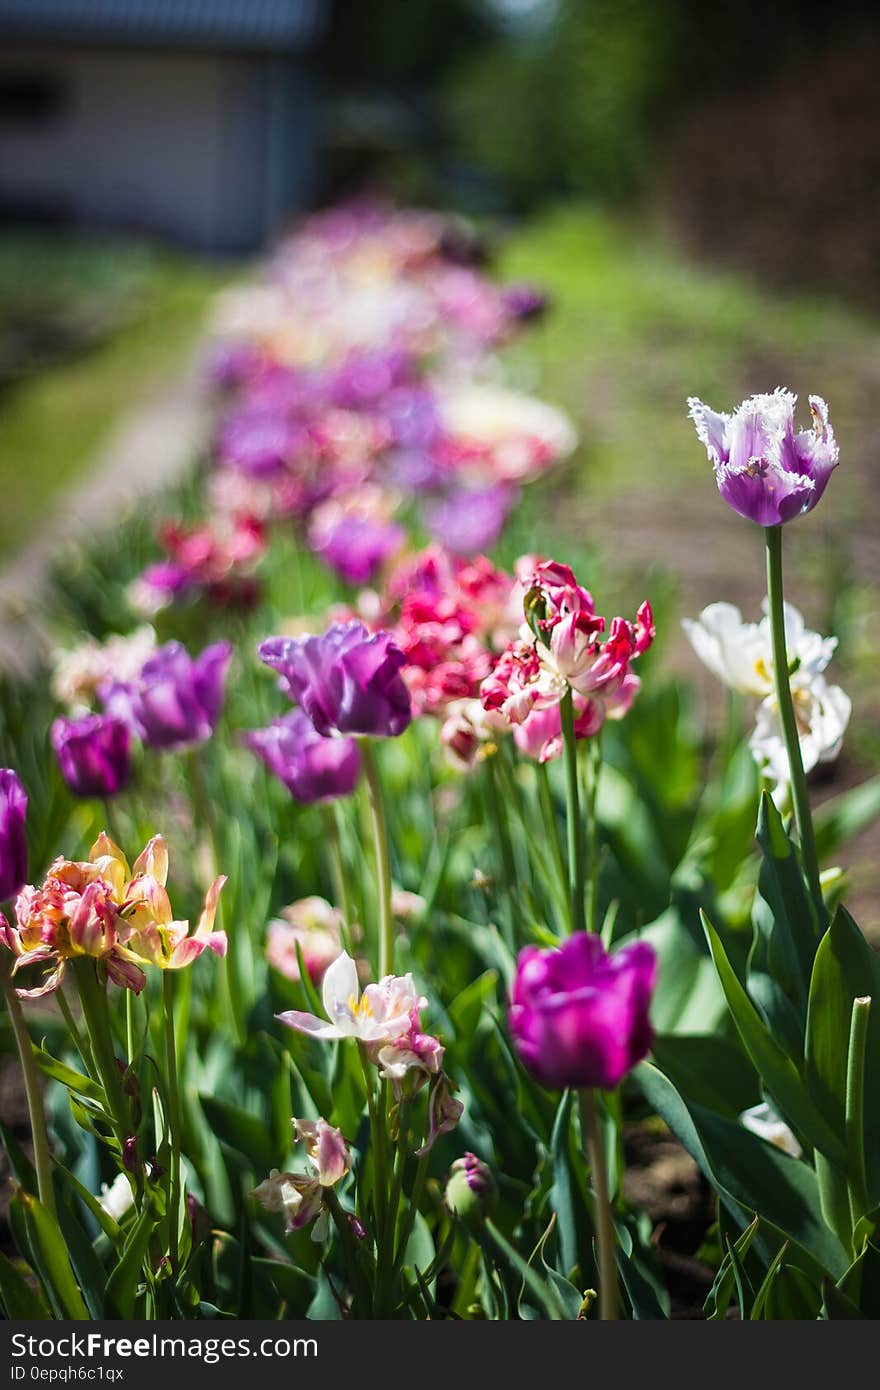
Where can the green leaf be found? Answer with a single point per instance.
(780, 1075)
(542, 1291)
(846, 815)
(861, 1282)
(19, 1299)
(753, 1175)
(51, 1257)
(784, 915)
(122, 1286)
(242, 1131)
(712, 1070)
(73, 1080)
(845, 969)
(769, 1279)
(108, 1225)
(719, 1296)
(293, 1285)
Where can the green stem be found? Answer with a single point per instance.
(383, 860)
(337, 871)
(175, 1122)
(594, 755)
(77, 1038)
(857, 1180)
(574, 837)
(606, 1240)
(93, 999)
(799, 792)
(409, 1221)
(30, 1071)
(548, 813)
(347, 1240)
(498, 816)
(377, 1143)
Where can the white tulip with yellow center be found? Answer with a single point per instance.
(740, 654)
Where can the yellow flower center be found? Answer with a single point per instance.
(360, 1008)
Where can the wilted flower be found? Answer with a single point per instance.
(299, 1197)
(741, 655)
(444, 1111)
(13, 845)
(118, 916)
(312, 925)
(311, 766)
(176, 700)
(326, 1148)
(414, 1056)
(94, 753)
(346, 680)
(578, 1016)
(382, 1013)
(763, 1120)
(764, 470)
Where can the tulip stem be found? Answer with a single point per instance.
(799, 792)
(383, 860)
(594, 769)
(575, 842)
(36, 1114)
(548, 812)
(498, 815)
(857, 1181)
(606, 1239)
(175, 1126)
(93, 1000)
(337, 872)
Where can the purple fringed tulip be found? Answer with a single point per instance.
(764, 470)
(578, 1016)
(94, 753)
(312, 767)
(13, 846)
(347, 680)
(176, 701)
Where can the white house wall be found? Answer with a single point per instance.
(165, 143)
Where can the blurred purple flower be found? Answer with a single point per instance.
(764, 470)
(311, 766)
(525, 302)
(357, 546)
(13, 846)
(94, 753)
(578, 1016)
(365, 378)
(176, 701)
(259, 442)
(346, 680)
(412, 417)
(470, 520)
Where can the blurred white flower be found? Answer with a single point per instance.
(118, 1198)
(740, 654)
(763, 1120)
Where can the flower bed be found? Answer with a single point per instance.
(471, 899)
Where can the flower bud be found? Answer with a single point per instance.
(471, 1193)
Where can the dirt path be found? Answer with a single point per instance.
(147, 451)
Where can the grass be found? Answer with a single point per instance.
(53, 422)
(637, 327)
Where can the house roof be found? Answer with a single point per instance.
(279, 26)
